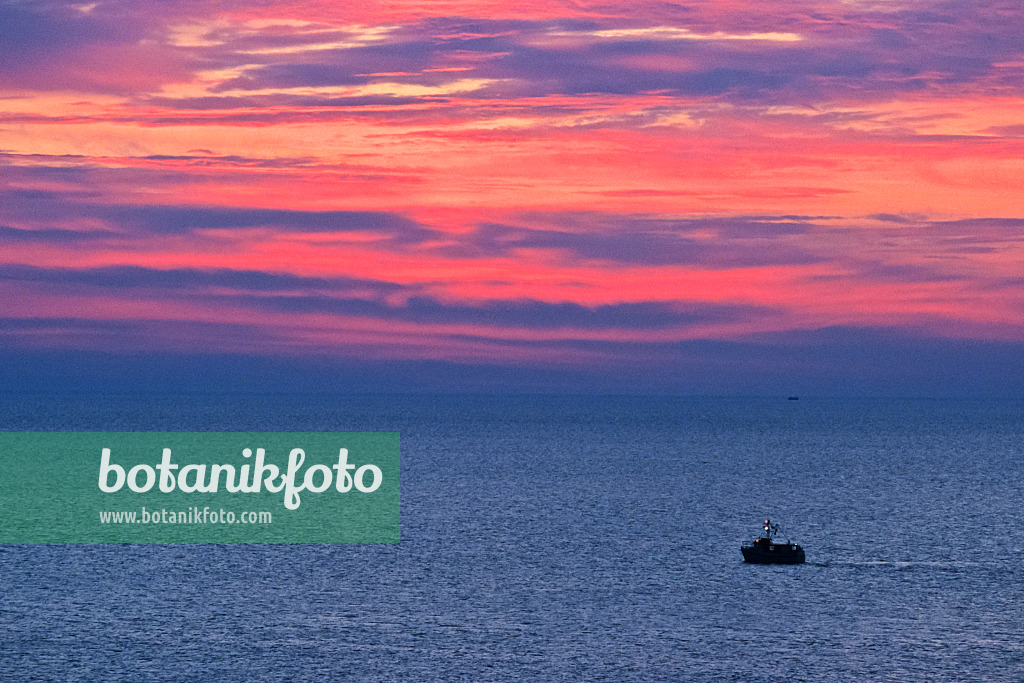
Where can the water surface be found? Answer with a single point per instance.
(567, 538)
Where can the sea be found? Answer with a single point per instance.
(566, 538)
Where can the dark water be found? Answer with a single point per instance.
(568, 539)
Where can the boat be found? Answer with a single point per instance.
(766, 550)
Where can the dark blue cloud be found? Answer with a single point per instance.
(892, 218)
(850, 51)
(58, 45)
(52, 236)
(182, 219)
(40, 207)
(854, 53)
(193, 280)
(136, 336)
(523, 313)
(827, 362)
(860, 270)
(972, 225)
(535, 71)
(649, 241)
(110, 329)
(286, 293)
(344, 67)
(31, 30)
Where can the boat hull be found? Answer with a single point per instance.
(774, 554)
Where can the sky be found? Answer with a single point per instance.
(708, 197)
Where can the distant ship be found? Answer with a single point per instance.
(794, 398)
(766, 550)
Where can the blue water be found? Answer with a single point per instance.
(575, 539)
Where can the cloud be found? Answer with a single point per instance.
(264, 292)
(789, 55)
(51, 45)
(44, 207)
(193, 280)
(735, 242)
(182, 219)
(55, 236)
(137, 335)
(826, 362)
(345, 68)
(39, 29)
(795, 54)
(874, 271)
(406, 147)
(676, 33)
(517, 314)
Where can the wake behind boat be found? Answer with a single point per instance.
(766, 550)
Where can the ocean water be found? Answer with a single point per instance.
(567, 538)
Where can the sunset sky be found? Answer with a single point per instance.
(702, 197)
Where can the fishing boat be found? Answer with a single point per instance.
(766, 550)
